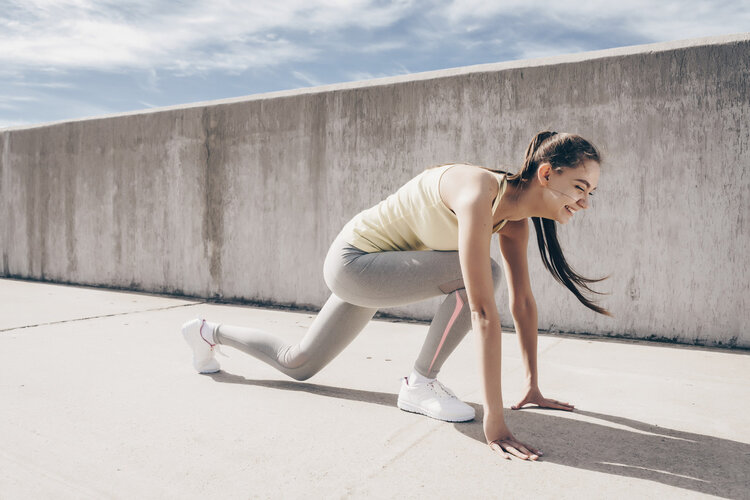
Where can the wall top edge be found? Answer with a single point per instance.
(429, 75)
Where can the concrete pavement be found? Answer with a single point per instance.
(98, 400)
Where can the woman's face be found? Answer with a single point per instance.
(571, 189)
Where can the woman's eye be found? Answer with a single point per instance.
(579, 187)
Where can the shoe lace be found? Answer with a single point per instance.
(440, 389)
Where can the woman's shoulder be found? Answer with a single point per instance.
(462, 176)
(463, 173)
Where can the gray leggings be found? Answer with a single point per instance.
(361, 283)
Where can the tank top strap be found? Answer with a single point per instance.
(502, 183)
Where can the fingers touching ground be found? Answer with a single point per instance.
(560, 405)
(519, 405)
(499, 449)
(546, 403)
(506, 448)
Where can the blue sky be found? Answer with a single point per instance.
(68, 59)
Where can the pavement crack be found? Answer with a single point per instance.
(100, 316)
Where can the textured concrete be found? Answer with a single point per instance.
(240, 198)
(101, 401)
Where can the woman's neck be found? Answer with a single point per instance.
(519, 204)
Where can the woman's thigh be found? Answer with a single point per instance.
(386, 279)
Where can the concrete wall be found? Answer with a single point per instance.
(240, 198)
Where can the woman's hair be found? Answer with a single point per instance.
(560, 151)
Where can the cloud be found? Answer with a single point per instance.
(655, 21)
(313, 82)
(12, 102)
(356, 76)
(22, 106)
(187, 37)
(73, 58)
(13, 123)
(46, 85)
(9, 98)
(190, 36)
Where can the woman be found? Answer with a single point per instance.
(432, 237)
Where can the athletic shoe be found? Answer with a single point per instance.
(194, 332)
(434, 400)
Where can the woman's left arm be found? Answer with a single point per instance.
(513, 246)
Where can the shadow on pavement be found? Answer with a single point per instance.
(630, 448)
(617, 445)
(380, 398)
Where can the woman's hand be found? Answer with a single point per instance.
(502, 441)
(534, 396)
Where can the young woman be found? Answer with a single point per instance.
(432, 237)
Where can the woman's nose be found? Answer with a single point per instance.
(584, 202)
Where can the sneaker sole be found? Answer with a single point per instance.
(416, 409)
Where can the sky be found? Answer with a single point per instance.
(70, 59)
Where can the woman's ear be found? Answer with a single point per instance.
(543, 173)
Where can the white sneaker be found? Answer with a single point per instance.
(434, 400)
(203, 350)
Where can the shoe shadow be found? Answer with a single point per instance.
(597, 442)
(380, 398)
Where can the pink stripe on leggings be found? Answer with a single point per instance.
(459, 305)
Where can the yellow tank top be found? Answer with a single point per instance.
(413, 218)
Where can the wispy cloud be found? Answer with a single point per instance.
(187, 37)
(72, 58)
(9, 98)
(397, 69)
(659, 21)
(12, 102)
(14, 123)
(191, 36)
(307, 79)
(44, 85)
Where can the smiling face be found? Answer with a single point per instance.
(569, 188)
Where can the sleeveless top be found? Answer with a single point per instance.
(413, 218)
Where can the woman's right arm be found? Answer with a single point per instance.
(472, 204)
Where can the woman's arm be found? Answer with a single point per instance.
(473, 207)
(513, 246)
(474, 233)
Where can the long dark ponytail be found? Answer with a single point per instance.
(560, 151)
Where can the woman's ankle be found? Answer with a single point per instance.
(210, 332)
(417, 378)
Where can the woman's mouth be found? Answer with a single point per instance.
(568, 209)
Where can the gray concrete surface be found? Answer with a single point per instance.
(98, 400)
(240, 198)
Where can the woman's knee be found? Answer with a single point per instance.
(303, 369)
(302, 374)
(298, 364)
